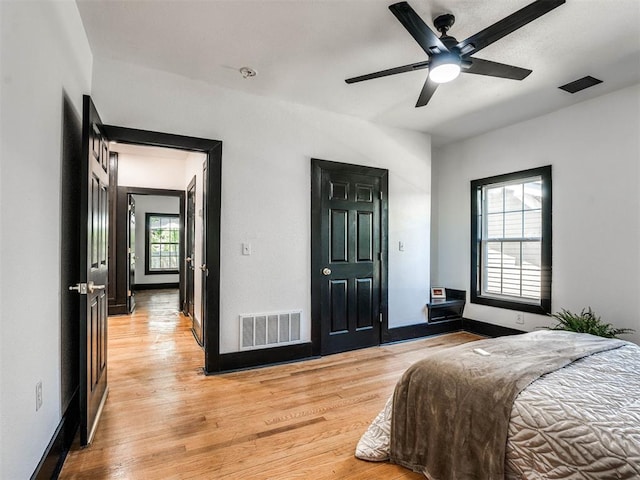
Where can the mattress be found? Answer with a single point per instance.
(579, 422)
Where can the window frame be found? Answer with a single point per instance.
(147, 246)
(543, 306)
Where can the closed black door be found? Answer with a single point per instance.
(347, 256)
(94, 271)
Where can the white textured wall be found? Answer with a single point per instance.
(44, 53)
(151, 204)
(267, 146)
(594, 148)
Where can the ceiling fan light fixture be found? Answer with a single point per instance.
(444, 68)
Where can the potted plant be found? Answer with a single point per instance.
(587, 322)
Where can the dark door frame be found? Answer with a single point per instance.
(317, 167)
(213, 151)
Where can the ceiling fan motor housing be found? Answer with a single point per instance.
(444, 22)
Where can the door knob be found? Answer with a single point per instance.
(93, 287)
(81, 288)
(188, 259)
(326, 271)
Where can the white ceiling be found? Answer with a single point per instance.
(304, 49)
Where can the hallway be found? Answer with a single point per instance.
(165, 420)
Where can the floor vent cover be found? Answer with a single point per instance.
(263, 330)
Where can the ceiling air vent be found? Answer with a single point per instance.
(580, 84)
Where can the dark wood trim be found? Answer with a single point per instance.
(488, 329)
(155, 286)
(147, 254)
(384, 259)
(545, 301)
(55, 454)
(291, 353)
(114, 296)
(118, 257)
(317, 167)
(212, 202)
(264, 357)
(159, 139)
(118, 309)
(419, 330)
(213, 150)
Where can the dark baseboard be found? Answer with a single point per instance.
(119, 309)
(53, 458)
(410, 332)
(263, 357)
(488, 329)
(290, 353)
(155, 286)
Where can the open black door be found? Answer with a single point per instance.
(131, 237)
(190, 266)
(92, 286)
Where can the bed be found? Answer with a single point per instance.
(542, 405)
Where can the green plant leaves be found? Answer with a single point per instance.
(587, 322)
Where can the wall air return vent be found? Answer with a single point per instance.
(265, 330)
(580, 84)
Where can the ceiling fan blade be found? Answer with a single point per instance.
(390, 71)
(427, 92)
(417, 28)
(495, 69)
(506, 26)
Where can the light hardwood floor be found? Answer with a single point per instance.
(165, 420)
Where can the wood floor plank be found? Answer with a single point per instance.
(165, 420)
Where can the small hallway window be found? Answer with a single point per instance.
(163, 243)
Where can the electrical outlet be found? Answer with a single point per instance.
(38, 395)
(520, 318)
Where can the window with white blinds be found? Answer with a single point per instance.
(163, 243)
(511, 251)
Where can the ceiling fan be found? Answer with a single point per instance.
(448, 57)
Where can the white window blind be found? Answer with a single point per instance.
(163, 233)
(511, 238)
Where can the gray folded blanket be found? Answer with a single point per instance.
(451, 410)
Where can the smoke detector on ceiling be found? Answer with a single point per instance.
(247, 72)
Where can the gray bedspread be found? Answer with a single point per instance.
(451, 410)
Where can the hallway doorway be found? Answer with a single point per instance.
(210, 213)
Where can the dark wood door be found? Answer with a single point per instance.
(131, 252)
(94, 271)
(190, 251)
(347, 258)
(210, 255)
